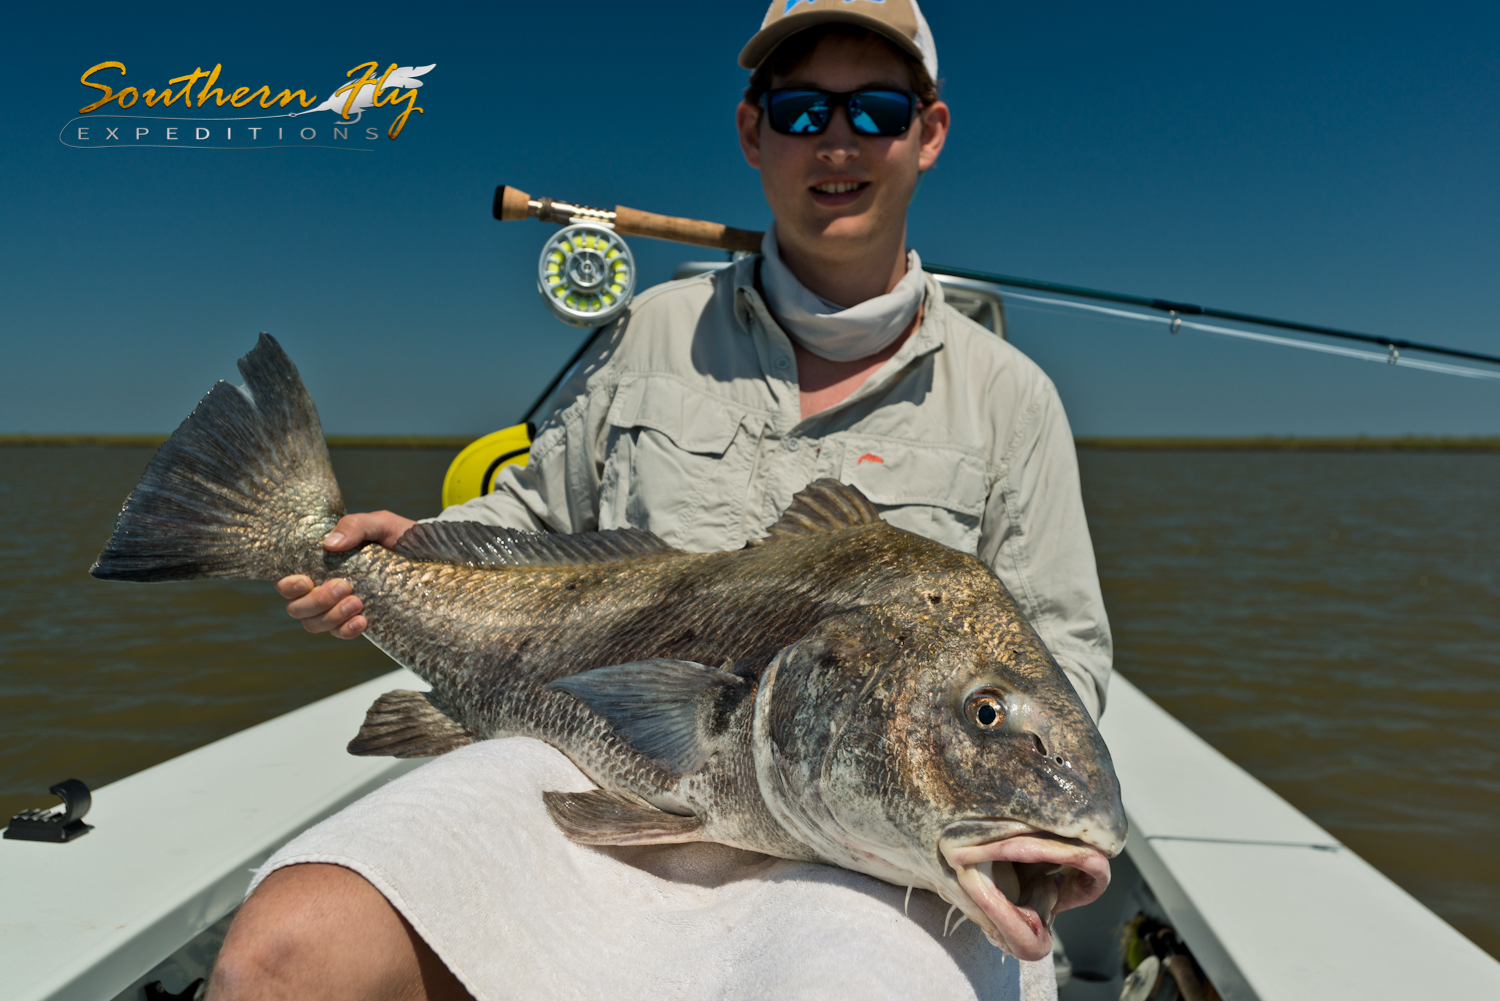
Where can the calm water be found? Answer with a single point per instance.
(1329, 621)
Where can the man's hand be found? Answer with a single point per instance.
(333, 606)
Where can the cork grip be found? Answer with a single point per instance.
(511, 203)
(634, 222)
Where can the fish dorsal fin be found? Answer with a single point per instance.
(823, 506)
(470, 543)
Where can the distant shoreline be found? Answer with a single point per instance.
(1268, 443)
(434, 442)
(1260, 443)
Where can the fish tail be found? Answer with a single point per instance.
(243, 489)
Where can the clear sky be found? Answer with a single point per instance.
(1330, 162)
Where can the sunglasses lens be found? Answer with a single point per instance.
(798, 112)
(879, 112)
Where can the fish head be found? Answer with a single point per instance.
(933, 741)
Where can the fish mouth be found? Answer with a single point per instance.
(1014, 886)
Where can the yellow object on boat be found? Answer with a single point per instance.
(472, 473)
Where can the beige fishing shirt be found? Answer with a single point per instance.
(684, 420)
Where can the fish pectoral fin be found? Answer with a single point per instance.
(602, 817)
(406, 724)
(821, 507)
(667, 710)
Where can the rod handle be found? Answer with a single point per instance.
(1188, 984)
(511, 203)
(634, 222)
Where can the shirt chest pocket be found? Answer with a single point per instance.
(672, 466)
(935, 491)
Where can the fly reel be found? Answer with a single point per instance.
(586, 274)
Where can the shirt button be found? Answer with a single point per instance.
(793, 444)
(781, 362)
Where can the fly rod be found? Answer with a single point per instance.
(578, 270)
(511, 204)
(1191, 309)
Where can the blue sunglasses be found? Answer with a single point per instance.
(798, 111)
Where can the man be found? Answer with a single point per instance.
(704, 409)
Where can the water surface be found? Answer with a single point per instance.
(101, 679)
(1329, 621)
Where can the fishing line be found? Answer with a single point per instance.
(1394, 357)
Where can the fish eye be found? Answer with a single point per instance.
(985, 709)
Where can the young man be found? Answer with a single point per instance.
(706, 407)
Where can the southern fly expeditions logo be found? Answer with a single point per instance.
(368, 90)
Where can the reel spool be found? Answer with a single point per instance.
(586, 274)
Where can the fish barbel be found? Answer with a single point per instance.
(841, 691)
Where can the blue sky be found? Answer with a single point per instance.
(1328, 162)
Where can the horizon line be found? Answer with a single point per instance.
(1200, 443)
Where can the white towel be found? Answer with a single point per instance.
(463, 847)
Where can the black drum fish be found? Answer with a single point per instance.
(840, 691)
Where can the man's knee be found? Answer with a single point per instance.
(317, 932)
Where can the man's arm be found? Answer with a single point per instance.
(1036, 537)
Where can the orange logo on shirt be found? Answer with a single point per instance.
(870, 456)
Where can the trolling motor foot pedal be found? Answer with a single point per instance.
(55, 825)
